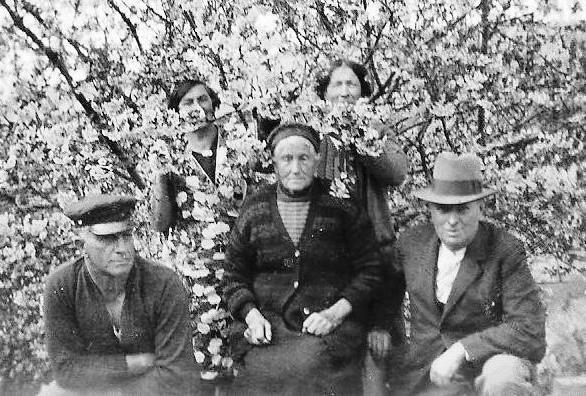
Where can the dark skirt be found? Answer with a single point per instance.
(299, 364)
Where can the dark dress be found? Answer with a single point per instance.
(336, 258)
(83, 350)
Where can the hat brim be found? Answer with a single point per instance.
(427, 194)
(110, 228)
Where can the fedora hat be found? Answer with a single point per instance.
(456, 180)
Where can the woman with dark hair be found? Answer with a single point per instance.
(195, 102)
(338, 67)
(181, 90)
(346, 81)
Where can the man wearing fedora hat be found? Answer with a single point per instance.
(115, 323)
(477, 323)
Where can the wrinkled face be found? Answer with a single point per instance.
(295, 162)
(344, 86)
(456, 225)
(112, 254)
(196, 104)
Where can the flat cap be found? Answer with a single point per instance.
(104, 213)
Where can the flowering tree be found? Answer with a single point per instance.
(83, 109)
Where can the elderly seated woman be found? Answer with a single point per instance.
(301, 268)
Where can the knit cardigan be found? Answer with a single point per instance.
(337, 257)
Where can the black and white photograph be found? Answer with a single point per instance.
(308, 197)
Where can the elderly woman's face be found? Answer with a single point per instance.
(295, 162)
(195, 102)
(344, 86)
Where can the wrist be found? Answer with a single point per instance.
(339, 311)
(134, 363)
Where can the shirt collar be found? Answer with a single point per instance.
(450, 255)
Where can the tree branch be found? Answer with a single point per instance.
(289, 23)
(512, 147)
(375, 44)
(319, 7)
(481, 127)
(383, 87)
(149, 8)
(448, 29)
(94, 117)
(190, 19)
(224, 85)
(447, 134)
(34, 11)
(522, 44)
(128, 23)
(421, 149)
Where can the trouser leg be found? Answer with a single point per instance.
(374, 376)
(505, 375)
(54, 389)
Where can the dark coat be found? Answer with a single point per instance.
(494, 306)
(336, 258)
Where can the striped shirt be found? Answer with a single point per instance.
(294, 215)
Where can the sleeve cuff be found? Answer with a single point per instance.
(461, 346)
(468, 347)
(246, 308)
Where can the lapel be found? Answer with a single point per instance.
(469, 270)
(426, 273)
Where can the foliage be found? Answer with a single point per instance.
(83, 109)
(565, 331)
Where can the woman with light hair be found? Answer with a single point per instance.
(301, 267)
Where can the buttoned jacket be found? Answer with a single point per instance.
(336, 257)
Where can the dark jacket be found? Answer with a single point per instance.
(336, 258)
(375, 175)
(83, 350)
(166, 213)
(494, 306)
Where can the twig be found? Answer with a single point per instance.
(128, 23)
(382, 88)
(413, 126)
(319, 7)
(448, 29)
(34, 11)
(481, 127)
(375, 44)
(190, 19)
(522, 43)
(421, 148)
(94, 117)
(447, 134)
(512, 147)
(149, 8)
(224, 85)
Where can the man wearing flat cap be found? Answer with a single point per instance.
(115, 323)
(477, 323)
(301, 268)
